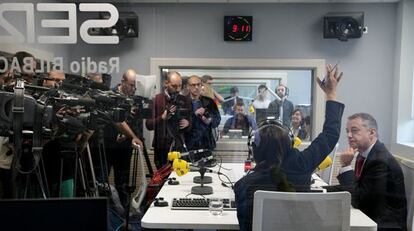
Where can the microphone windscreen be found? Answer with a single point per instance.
(181, 167)
(325, 163)
(296, 142)
(173, 155)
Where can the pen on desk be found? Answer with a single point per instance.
(324, 79)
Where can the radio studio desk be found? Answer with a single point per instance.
(166, 218)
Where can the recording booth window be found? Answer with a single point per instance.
(241, 86)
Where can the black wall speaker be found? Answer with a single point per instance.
(343, 26)
(125, 27)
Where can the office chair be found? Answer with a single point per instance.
(326, 174)
(408, 170)
(301, 211)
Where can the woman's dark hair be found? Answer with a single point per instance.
(272, 145)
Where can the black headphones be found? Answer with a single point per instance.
(277, 124)
(286, 89)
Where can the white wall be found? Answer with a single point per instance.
(280, 31)
(402, 123)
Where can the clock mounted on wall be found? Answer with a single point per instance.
(238, 28)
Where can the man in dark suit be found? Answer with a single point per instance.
(377, 184)
(171, 119)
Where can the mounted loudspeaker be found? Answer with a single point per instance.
(343, 26)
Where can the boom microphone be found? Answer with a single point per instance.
(177, 155)
(182, 167)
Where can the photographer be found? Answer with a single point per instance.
(205, 117)
(171, 119)
(118, 147)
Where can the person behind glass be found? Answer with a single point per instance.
(205, 117)
(208, 90)
(230, 101)
(296, 124)
(377, 183)
(171, 119)
(261, 103)
(279, 166)
(281, 108)
(240, 121)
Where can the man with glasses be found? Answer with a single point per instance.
(205, 116)
(377, 182)
(170, 120)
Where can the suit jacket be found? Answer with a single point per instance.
(379, 192)
(297, 166)
(274, 110)
(201, 134)
(162, 135)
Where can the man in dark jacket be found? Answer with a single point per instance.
(205, 117)
(281, 167)
(171, 119)
(377, 184)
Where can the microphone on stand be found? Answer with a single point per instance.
(182, 167)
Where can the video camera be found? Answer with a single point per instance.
(181, 111)
(143, 105)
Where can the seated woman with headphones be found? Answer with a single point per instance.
(279, 166)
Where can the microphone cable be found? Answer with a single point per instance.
(224, 183)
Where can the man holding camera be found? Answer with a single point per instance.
(118, 146)
(171, 119)
(205, 117)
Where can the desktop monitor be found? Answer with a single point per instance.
(235, 133)
(54, 214)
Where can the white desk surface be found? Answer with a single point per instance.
(165, 218)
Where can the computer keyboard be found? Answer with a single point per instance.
(200, 204)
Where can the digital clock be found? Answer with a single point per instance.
(238, 28)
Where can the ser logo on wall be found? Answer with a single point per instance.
(9, 33)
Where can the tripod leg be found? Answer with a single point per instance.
(95, 185)
(82, 177)
(39, 179)
(147, 160)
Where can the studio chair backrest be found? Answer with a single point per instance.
(301, 211)
(408, 170)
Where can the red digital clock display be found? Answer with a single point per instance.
(238, 28)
